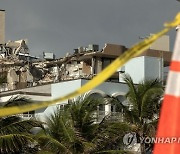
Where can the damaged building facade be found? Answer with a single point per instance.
(47, 80)
(22, 74)
(15, 65)
(24, 71)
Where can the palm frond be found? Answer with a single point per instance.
(110, 132)
(150, 102)
(20, 126)
(15, 142)
(17, 101)
(132, 94)
(76, 130)
(82, 114)
(144, 97)
(48, 143)
(60, 126)
(5, 121)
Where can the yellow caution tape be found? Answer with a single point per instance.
(134, 51)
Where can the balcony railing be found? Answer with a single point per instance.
(113, 116)
(26, 116)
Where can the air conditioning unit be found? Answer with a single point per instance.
(48, 55)
(93, 47)
(80, 49)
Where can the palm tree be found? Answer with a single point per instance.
(74, 130)
(16, 101)
(16, 133)
(144, 99)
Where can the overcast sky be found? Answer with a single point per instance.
(59, 26)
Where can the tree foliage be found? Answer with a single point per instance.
(145, 101)
(16, 133)
(74, 130)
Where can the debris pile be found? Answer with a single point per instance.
(22, 70)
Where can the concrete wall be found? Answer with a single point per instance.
(98, 65)
(39, 89)
(2, 26)
(113, 49)
(63, 88)
(135, 68)
(153, 68)
(143, 68)
(86, 69)
(166, 55)
(161, 44)
(110, 88)
(60, 89)
(39, 93)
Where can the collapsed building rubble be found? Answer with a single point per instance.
(14, 64)
(23, 70)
